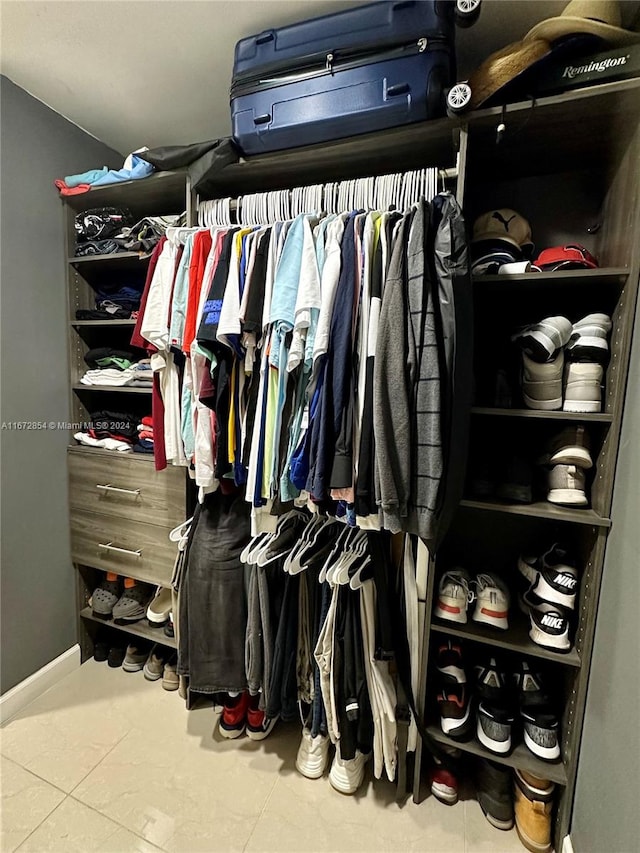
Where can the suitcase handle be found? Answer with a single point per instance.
(265, 37)
(398, 89)
(265, 119)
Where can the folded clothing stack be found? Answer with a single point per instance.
(117, 367)
(142, 373)
(145, 436)
(133, 168)
(96, 228)
(114, 302)
(145, 234)
(111, 431)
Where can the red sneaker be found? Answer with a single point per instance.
(258, 726)
(444, 786)
(234, 715)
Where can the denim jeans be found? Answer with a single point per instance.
(213, 597)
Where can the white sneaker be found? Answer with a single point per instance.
(583, 386)
(346, 776)
(542, 340)
(159, 607)
(566, 485)
(492, 601)
(313, 755)
(454, 596)
(571, 446)
(549, 625)
(589, 338)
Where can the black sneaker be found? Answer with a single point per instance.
(550, 625)
(101, 648)
(494, 787)
(454, 703)
(540, 722)
(116, 655)
(552, 576)
(494, 717)
(449, 663)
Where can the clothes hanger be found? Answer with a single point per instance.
(254, 544)
(356, 552)
(281, 542)
(360, 577)
(343, 537)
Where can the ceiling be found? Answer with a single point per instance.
(157, 72)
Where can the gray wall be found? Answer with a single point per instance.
(606, 817)
(38, 598)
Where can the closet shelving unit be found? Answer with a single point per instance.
(123, 528)
(571, 165)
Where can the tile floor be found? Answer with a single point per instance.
(107, 761)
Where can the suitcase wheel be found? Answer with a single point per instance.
(458, 98)
(467, 12)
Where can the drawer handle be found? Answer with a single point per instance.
(109, 488)
(109, 547)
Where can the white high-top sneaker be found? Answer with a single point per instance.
(583, 386)
(567, 486)
(542, 383)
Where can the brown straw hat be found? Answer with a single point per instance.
(504, 66)
(600, 18)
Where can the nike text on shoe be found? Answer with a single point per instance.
(588, 341)
(557, 585)
(233, 720)
(346, 775)
(454, 596)
(494, 788)
(455, 711)
(549, 625)
(313, 755)
(541, 341)
(569, 447)
(542, 383)
(566, 486)
(449, 663)
(258, 725)
(539, 719)
(583, 386)
(492, 601)
(494, 726)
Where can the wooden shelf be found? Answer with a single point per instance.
(515, 638)
(102, 324)
(112, 389)
(572, 417)
(606, 275)
(160, 193)
(541, 509)
(138, 629)
(382, 152)
(520, 757)
(119, 258)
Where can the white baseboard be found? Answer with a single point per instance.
(567, 846)
(14, 700)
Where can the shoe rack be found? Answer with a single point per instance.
(135, 514)
(570, 164)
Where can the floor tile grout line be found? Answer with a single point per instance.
(95, 767)
(116, 822)
(37, 775)
(262, 811)
(24, 840)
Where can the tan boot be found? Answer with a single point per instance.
(533, 807)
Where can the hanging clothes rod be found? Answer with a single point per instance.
(382, 192)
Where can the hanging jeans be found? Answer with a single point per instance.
(213, 612)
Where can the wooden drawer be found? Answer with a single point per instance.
(127, 488)
(146, 552)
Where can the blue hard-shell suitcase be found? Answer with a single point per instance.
(376, 66)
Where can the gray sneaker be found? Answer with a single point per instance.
(542, 383)
(170, 677)
(566, 484)
(104, 598)
(132, 604)
(154, 666)
(541, 341)
(569, 447)
(137, 654)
